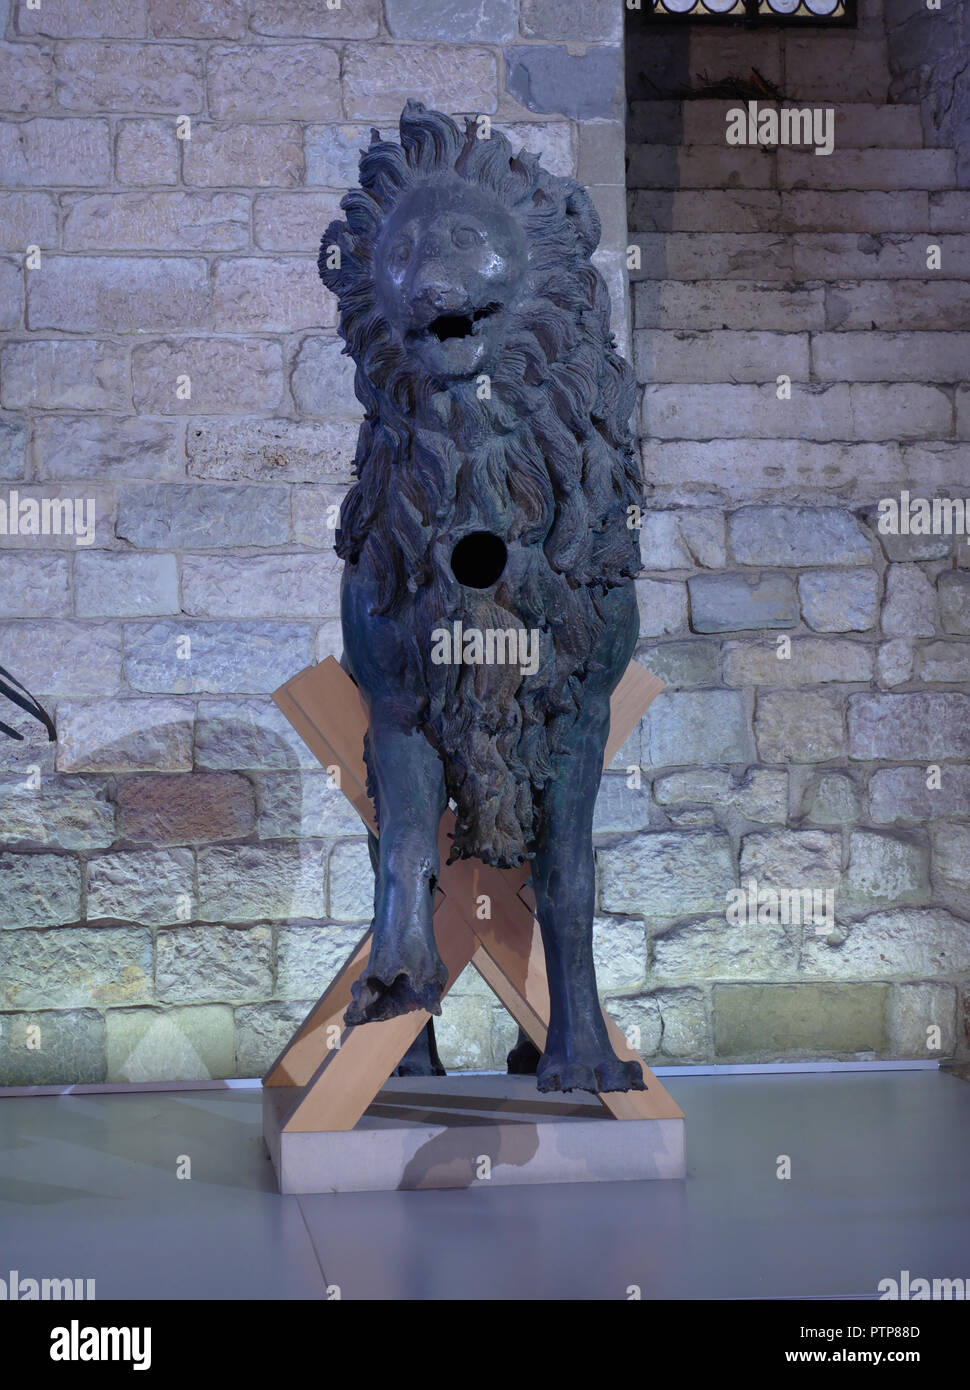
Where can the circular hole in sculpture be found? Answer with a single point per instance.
(478, 560)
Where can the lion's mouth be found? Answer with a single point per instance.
(447, 327)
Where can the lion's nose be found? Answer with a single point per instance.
(433, 294)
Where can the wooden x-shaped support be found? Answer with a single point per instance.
(339, 1069)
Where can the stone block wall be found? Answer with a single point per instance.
(178, 881)
(800, 362)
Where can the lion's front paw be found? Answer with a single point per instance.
(376, 998)
(560, 1072)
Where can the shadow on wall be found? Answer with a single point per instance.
(657, 70)
(660, 78)
(17, 694)
(170, 924)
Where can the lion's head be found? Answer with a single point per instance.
(451, 268)
(494, 400)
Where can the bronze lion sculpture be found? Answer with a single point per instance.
(488, 605)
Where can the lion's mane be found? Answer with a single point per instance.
(549, 459)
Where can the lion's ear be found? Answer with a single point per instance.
(583, 217)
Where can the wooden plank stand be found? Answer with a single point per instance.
(334, 1119)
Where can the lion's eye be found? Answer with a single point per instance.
(466, 235)
(399, 253)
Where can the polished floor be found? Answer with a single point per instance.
(879, 1165)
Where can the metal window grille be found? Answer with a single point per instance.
(754, 13)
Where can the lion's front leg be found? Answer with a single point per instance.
(578, 1053)
(404, 971)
